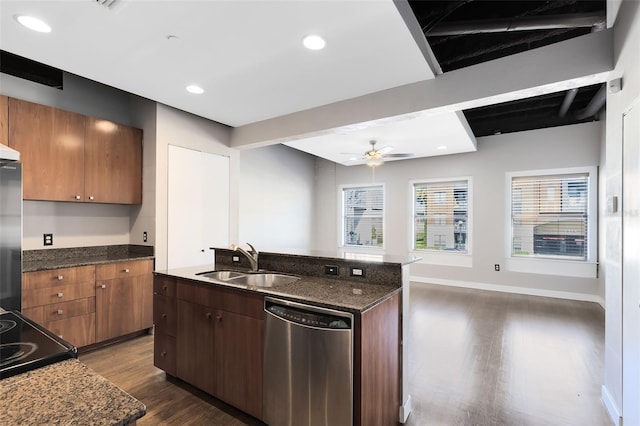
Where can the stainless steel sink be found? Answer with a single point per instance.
(250, 279)
(267, 279)
(221, 275)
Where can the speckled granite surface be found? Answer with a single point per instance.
(66, 393)
(39, 260)
(332, 293)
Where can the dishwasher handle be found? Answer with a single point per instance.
(311, 316)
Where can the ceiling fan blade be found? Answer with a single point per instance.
(403, 155)
(385, 149)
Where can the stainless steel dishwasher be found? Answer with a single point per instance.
(308, 365)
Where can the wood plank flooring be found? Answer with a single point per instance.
(475, 358)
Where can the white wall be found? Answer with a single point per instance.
(74, 224)
(276, 198)
(627, 66)
(559, 147)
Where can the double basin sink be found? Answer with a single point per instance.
(250, 279)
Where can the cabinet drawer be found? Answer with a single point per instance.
(206, 295)
(164, 353)
(123, 269)
(44, 279)
(165, 314)
(164, 285)
(79, 331)
(243, 303)
(57, 294)
(62, 310)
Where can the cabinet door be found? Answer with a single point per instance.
(113, 162)
(4, 120)
(79, 331)
(51, 145)
(239, 361)
(195, 363)
(123, 305)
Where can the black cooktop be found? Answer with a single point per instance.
(25, 345)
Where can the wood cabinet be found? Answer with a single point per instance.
(51, 146)
(4, 120)
(124, 298)
(113, 162)
(220, 335)
(73, 157)
(63, 301)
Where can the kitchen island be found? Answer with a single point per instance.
(191, 309)
(66, 393)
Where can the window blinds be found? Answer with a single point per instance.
(363, 216)
(549, 216)
(441, 214)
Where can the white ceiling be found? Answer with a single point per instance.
(248, 57)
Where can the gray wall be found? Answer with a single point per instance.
(560, 147)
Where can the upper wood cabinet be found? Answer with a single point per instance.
(4, 120)
(51, 146)
(72, 157)
(113, 162)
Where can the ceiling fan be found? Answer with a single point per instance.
(375, 157)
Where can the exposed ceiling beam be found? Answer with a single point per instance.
(529, 23)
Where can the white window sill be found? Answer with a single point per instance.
(463, 260)
(565, 268)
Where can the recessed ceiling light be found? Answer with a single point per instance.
(192, 88)
(441, 147)
(34, 24)
(314, 42)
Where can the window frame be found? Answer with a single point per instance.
(552, 265)
(440, 257)
(341, 219)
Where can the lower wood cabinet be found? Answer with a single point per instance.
(90, 304)
(220, 335)
(124, 298)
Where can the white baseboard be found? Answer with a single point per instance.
(610, 405)
(405, 410)
(512, 289)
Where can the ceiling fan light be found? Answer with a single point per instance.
(374, 161)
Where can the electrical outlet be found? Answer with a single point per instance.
(496, 267)
(356, 272)
(47, 239)
(235, 259)
(144, 236)
(330, 270)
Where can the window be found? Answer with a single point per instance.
(550, 216)
(441, 215)
(363, 216)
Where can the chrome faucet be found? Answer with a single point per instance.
(252, 255)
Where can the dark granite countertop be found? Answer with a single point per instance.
(39, 260)
(329, 292)
(66, 393)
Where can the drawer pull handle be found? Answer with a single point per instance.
(59, 294)
(59, 312)
(60, 277)
(77, 197)
(165, 288)
(164, 315)
(91, 197)
(219, 317)
(208, 315)
(163, 354)
(103, 286)
(126, 271)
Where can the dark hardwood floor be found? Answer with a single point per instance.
(475, 358)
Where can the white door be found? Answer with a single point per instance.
(198, 206)
(631, 268)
